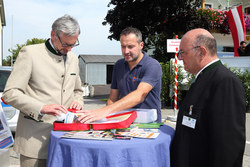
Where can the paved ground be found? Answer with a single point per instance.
(98, 102)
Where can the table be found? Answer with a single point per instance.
(116, 153)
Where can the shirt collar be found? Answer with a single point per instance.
(51, 48)
(206, 67)
(140, 62)
(51, 44)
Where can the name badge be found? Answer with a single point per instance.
(189, 122)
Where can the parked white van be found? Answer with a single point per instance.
(10, 112)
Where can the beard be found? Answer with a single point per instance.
(131, 58)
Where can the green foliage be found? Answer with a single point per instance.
(158, 20)
(158, 42)
(168, 82)
(168, 76)
(165, 82)
(14, 52)
(244, 76)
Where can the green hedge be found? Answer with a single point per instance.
(167, 90)
(168, 82)
(244, 76)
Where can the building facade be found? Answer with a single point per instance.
(97, 69)
(225, 44)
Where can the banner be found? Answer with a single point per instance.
(237, 27)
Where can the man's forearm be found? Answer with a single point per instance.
(109, 102)
(127, 102)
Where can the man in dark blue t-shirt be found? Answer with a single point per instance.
(136, 81)
(148, 73)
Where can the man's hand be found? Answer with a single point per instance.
(53, 109)
(89, 116)
(75, 105)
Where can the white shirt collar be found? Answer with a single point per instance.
(205, 67)
(52, 45)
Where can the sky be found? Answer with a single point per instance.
(27, 19)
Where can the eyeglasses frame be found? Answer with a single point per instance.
(66, 45)
(180, 53)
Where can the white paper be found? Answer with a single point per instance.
(143, 115)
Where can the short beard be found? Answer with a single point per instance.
(133, 59)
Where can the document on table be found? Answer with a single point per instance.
(89, 135)
(140, 133)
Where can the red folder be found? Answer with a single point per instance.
(60, 126)
(116, 121)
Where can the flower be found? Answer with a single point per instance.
(217, 18)
(247, 21)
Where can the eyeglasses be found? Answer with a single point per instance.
(67, 45)
(180, 53)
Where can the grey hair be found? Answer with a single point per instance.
(67, 25)
(132, 30)
(208, 42)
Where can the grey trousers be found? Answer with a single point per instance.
(32, 162)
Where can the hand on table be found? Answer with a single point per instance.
(89, 116)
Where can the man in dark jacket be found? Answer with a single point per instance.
(210, 129)
(242, 49)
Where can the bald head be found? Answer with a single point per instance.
(198, 31)
(197, 49)
(201, 37)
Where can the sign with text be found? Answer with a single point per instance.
(172, 44)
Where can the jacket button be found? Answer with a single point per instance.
(62, 76)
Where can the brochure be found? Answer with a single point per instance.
(6, 138)
(89, 135)
(140, 133)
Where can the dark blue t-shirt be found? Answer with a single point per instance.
(147, 70)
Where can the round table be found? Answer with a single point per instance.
(137, 152)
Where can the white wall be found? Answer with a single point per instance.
(239, 62)
(223, 40)
(96, 73)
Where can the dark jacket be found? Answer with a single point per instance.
(218, 139)
(242, 52)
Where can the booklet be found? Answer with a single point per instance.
(89, 135)
(140, 133)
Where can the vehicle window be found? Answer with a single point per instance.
(4, 75)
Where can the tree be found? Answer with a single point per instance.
(158, 20)
(14, 52)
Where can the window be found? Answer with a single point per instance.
(207, 5)
(4, 75)
(225, 49)
(247, 10)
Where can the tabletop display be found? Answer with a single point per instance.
(121, 148)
